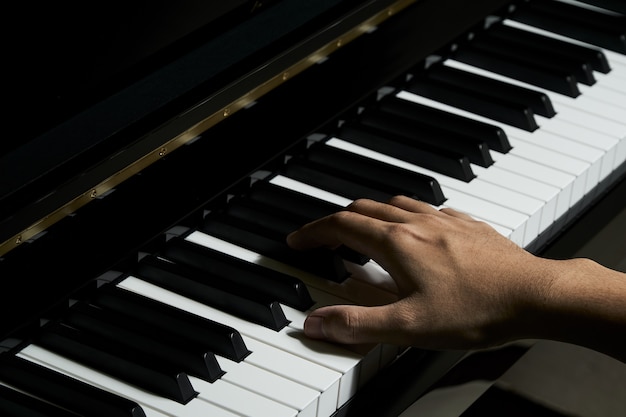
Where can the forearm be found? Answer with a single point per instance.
(580, 302)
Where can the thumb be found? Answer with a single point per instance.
(349, 324)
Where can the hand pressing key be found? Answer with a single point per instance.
(462, 285)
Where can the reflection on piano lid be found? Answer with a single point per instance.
(115, 120)
(178, 298)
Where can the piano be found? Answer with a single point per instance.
(157, 155)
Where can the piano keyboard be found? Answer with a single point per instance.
(519, 128)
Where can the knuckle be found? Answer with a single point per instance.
(341, 217)
(358, 203)
(397, 199)
(402, 230)
(345, 326)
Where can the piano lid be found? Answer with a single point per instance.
(100, 91)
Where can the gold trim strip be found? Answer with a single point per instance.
(194, 131)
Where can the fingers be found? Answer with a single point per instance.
(454, 213)
(358, 225)
(416, 206)
(349, 324)
(398, 209)
(412, 205)
(354, 230)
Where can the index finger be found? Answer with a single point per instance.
(351, 229)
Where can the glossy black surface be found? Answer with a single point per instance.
(110, 232)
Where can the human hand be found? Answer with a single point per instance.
(460, 283)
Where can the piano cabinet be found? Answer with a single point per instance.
(375, 83)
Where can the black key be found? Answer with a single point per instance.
(17, 404)
(506, 112)
(67, 392)
(376, 174)
(260, 218)
(201, 360)
(275, 223)
(91, 319)
(320, 261)
(581, 70)
(189, 328)
(452, 164)
(300, 169)
(413, 132)
(618, 6)
(302, 208)
(284, 288)
(213, 291)
(591, 56)
(480, 54)
(118, 361)
(513, 97)
(493, 135)
(590, 26)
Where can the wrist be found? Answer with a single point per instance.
(531, 297)
(577, 301)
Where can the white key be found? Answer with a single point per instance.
(288, 339)
(480, 208)
(372, 353)
(544, 156)
(241, 401)
(525, 218)
(617, 60)
(271, 385)
(312, 378)
(251, 391)
(228, 394)
(607, 144)
(562, 153)
(614, 80)
(606, 90)
(579, 169)
(588, 112)
(298, 186)
(595, 102)
(547, 194)
(379, 355)
(504, 231)
(296, 317)
(150, 412)
(324, 195)
(384, 283)
(591, 113)
(539, 172)
(307, 373)
(333, 293)
(595, 157)
(356, 291)
(580, 117)
(195, 407)
(310, 190)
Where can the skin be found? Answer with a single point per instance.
(462, 285)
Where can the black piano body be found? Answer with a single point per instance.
(94, 176)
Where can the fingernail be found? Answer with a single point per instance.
(314, 327)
